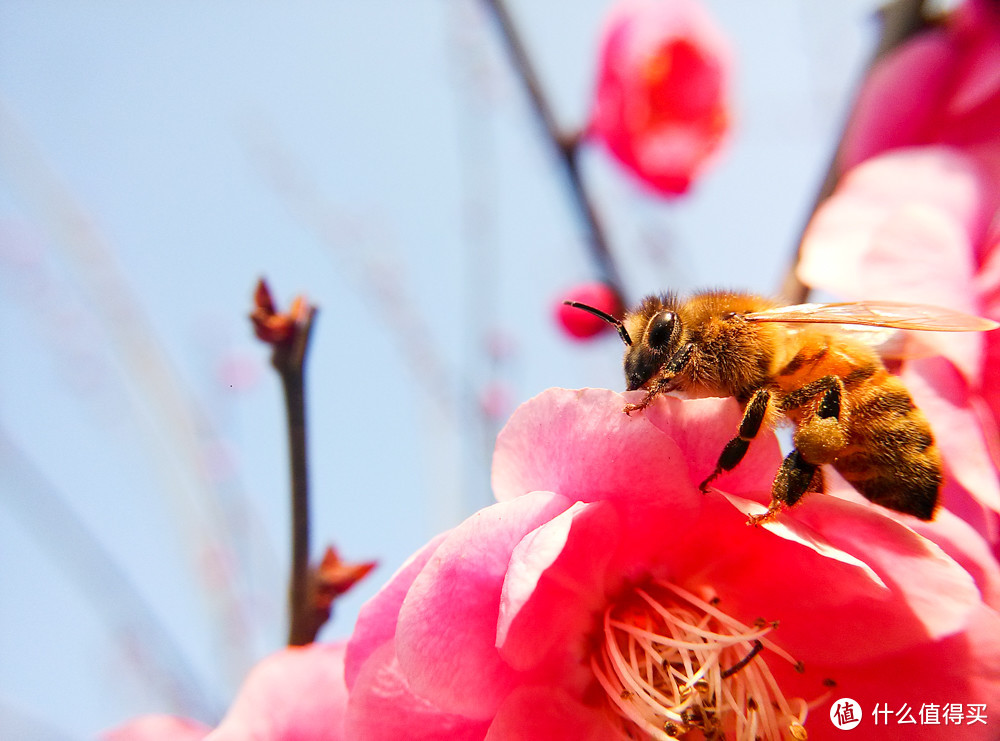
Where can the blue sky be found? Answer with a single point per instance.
(158, 158)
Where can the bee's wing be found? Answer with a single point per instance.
(892, 314)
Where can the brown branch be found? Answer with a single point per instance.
(565, 147)
(901, 20)
(291, 369)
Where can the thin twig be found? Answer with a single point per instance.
(565, 147)
(290, 364)
(288, 334)
(901, 20)
(291, 369)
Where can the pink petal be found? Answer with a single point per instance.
(555, 582)
(914, 567)
(297, 694)
(660, 105)
(958, 539)
(978, 31)
(934, 182)
(943, 397)
(376, 621)
(833, 548)
(962, 669)
(701, 428)
(382, 707)
(581, 444)
(157, 728)
(446, 634)
(535, 713)
(897, 98)
(903, 227)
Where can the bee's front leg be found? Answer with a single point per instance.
(753, 418)
(667, 379)
(658, 388)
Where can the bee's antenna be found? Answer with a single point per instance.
(622, 332)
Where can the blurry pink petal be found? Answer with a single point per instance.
(383, 708)
(158, 728)
(660, 105)
(988, 286)
(940, 88)
(495, 400)
(897, 98)
(580, 325)
(944, 398)
(297, 694)
(903, 227)
(446, 634)
(977, 24)
(989, 411)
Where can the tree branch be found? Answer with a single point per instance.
(565, 147)
(288, 334)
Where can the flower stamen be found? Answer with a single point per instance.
(662, 662)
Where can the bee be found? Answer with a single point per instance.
(801, 364)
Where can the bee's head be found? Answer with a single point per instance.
(652, 336)
(657, 348)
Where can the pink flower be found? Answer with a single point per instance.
(158, 728)
(942, 87)
(603, 595)
(663, 78)
(297, 694)
(579, 324)
(911, 225)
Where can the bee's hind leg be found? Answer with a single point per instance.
(795, 479)
(823, 435)
(753, 418)
(818, 440)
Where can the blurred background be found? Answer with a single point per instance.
(157, 158)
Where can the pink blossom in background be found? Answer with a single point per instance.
(912, 225)
(297, 694)
(158, 728)
(603, 595)
(580, 325)
(941, 87)
(661, 105)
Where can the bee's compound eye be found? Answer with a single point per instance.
(661, 329)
